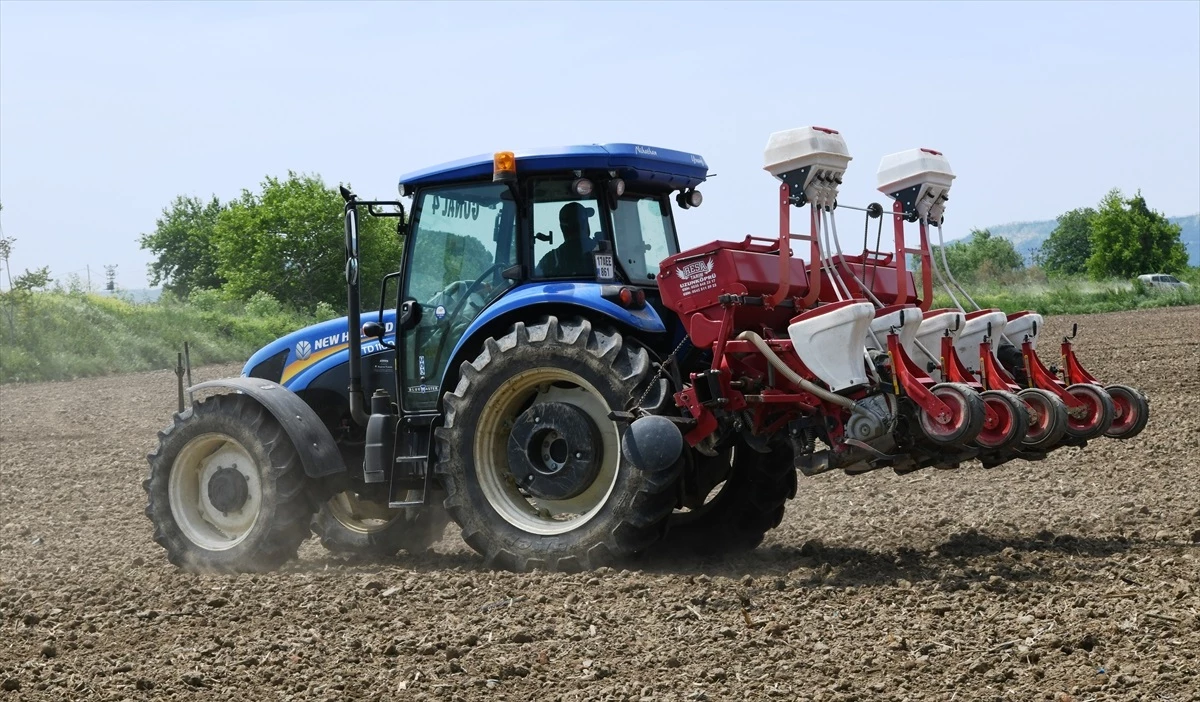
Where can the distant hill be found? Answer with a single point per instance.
(1027, 237)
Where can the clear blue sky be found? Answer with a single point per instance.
(109, 111)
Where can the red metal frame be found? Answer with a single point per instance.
(785, 254)
(1041, 377)
(1075, 371)
(914, 381)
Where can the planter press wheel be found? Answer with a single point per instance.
(1011, 423)
(1099, 415)
(966, 415)
(1132, 411)
(1047, 419)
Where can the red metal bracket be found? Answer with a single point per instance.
(915, 382)
(1041, 377)
(1076, 373)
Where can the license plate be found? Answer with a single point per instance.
(604, 267)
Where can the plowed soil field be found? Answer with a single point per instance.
(1075, 578)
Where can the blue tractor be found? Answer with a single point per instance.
(521, 384)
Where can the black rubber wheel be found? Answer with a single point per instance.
(1132, 412)
(604, 508)
(1100, 412)
(348, 525)
(1011, 425)
(226, 490)
(967, 418)
(1047, 419)
(749, 503)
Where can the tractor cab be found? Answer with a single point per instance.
(580, 226)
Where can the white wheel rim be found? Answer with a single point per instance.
(187, 489)
(362, 516)
(528, 513)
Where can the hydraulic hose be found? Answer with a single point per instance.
(942, 246)
(778, 364)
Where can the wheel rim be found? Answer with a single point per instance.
(1039, 418)
(999, 431)
(207, 511)
(361, 516)
(515, 506)
(1126, 411)
(958, 412)
(1090, 423)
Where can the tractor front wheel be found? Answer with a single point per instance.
(226, 490)
(351, 525)
(532, 464)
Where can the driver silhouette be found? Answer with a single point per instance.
(572, 258)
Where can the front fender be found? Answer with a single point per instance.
(583, 295)
(318, 452)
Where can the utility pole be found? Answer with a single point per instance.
(110, 275)
(89, 274)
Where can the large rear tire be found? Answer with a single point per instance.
(746, 505)
(530, 461)
(226, 490)
(352, 526)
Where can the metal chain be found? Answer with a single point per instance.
(661, 369)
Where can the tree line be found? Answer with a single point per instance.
(1120, 238)
(286, 241)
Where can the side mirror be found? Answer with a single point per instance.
(372, 330)
(410, 314)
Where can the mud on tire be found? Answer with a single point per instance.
(619, 512)
(227, 451)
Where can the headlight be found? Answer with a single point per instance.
(582, 187)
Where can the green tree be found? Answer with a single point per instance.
(288, 241)
(182, 242)
(1069, 246)
(1129, 239)
(981, 256)
(29, 281)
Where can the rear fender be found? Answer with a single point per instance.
(318, 452)
(526, 302)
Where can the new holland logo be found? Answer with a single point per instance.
(303, 350)
(695, 269)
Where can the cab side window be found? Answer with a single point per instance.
(463, 239)
(567, 230)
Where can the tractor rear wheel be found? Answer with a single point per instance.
(742, 508)
(350, 525)
(532, 464)
(226, 490)
(1132, 412)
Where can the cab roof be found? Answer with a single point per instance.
(637, 164)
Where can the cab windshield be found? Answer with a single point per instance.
(644, 235)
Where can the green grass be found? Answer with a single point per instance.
(1073, 296)
(54, 336)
